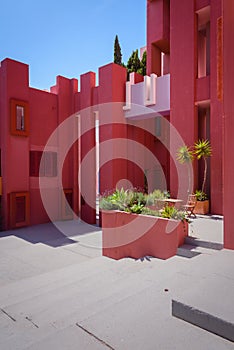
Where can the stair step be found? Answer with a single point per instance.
(28, 288)
(190, 251)
(80, 299)
(204, 310)
(194, 241)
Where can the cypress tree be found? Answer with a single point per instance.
(117, 52)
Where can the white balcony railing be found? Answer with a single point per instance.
(150, 96)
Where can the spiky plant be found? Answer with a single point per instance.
(185, 155)
(202, 149)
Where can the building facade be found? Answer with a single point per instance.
(188, 86)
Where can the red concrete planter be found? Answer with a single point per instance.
(202, 207)
(135, 236)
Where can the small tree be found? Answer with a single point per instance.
(202, 149)
(185, 155)
(134, 63)
(142, 69)
(117, 52)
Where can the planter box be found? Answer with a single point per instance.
(136, 236)
(202, 207)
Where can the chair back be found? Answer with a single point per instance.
(192, 199)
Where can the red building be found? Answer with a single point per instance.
(189, 84)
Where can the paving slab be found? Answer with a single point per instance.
(209, 306)
(58, 292)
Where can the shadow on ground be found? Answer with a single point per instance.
(53, 234)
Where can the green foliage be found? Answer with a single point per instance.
(184, 154)
(135, 208)
(156, 196)
(201, 196)
(169, 212)
(133, 201)
(117, 52)
(134, 63)
(129, 200)
(143, 62)
(202, 149)
(115, 201)
(147, 211)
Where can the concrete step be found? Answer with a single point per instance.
(80, 287)
(51, 281)
(200, 306)
(190, 251)
(195, 241)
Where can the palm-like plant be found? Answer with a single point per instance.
(202, 149)
(185, 155)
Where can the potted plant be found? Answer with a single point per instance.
(202, 205)
(202, 150)
(131, 229)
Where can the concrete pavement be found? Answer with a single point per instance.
(57, 291)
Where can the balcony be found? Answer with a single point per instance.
(146, 98)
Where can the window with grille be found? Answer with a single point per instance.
(19, 209)
(19, 117)
(43, 164)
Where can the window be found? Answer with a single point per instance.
(43, 163)
(19, 117)
(20, 125)
(19, 209)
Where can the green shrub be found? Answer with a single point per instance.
(201, 196)
(132, 201)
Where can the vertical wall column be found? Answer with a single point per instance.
(87, 145)
(183, 114)
(158, 34)
(14, 143)
(228, 164)
(216, 105)
(65, 89)
(112, 126)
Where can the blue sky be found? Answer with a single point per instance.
(69, 37)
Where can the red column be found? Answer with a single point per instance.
(158, 33)
(216, 108)
(14, 149)
(183, 114)
(228, 80)
(87, 143)
(111, 93)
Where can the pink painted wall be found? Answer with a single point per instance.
(158, 33)
(216, 111)
(88, 177)
(15, 163)
(228, 79)
(112, 79)
(183, 73)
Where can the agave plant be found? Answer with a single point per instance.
(202, 149)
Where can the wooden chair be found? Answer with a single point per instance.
(190, 205)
